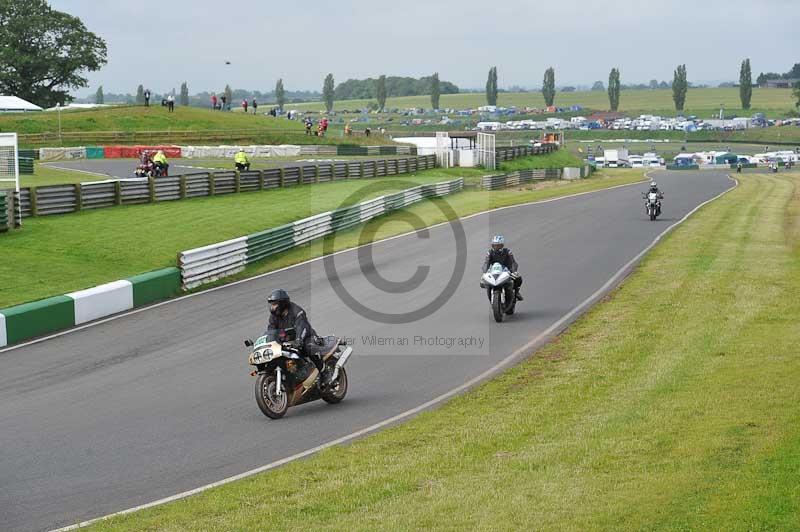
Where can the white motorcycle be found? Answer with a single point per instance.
(498, 282)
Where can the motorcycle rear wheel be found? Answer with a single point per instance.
(497, 306)
(271, 406)
(336, 391)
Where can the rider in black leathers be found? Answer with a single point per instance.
(286, 317)
(503, 255)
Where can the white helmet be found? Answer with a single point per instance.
(498, 240)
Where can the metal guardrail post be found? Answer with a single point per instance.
(183, 186)
(237, 181)
(261, 180)
(34, 200)
(78, 197)
(151, 186)
(117, 193)
(211, 184)
(282, 177)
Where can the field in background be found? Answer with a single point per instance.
(702, 102)
(649, 413)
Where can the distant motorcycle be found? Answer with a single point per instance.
(151, 170)
(285, 379)
(652, 204)
(498, 282)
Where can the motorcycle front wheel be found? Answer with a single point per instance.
(336, 391)
(271, 405)
(497, 306)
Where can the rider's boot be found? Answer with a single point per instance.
(518, 295)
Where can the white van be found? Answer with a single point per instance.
(636, 161)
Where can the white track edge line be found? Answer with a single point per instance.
(564, 320)
(273, 272)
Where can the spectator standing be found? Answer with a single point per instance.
(255, 106)
(147, 98)
(308, 126)
(171, 103)
(244, 105)
(224, 101)
(214, 102)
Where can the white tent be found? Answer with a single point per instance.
(12, 104)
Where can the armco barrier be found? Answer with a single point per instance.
(62, 199)
(507, 153)
(155, 286)
(61, 154)
(683, 167)
(3, 212)
(38, 318)
(104, 300)
(26, 165)
(95, 152)
(519, 177)
(209, 263)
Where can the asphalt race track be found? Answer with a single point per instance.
(160, 401)
(125, 168)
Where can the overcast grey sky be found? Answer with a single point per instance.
(461, 39)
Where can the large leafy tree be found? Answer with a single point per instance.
(380, 92)
(549, 86)
(613, 89)
(679, 87)
(44, 53)
(280, 94)
(328, 92)
(435, 91)
(745, 84)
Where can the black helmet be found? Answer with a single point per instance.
(280, 297)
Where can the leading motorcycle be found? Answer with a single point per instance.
(498, 282)
(652, 204)
(285, 379)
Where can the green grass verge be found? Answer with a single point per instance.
(258, 129)
(58, 254)
(675, 411)
(44, 175)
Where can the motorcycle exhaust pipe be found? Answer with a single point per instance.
(341, 362)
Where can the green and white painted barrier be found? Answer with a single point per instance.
(209, 263)
(29, 320)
